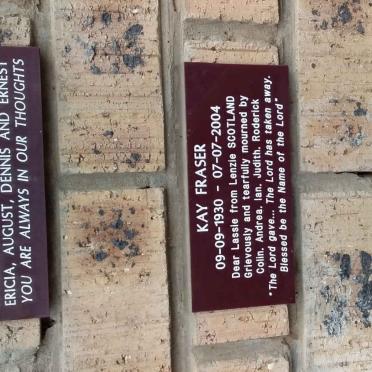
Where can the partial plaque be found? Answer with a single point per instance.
(239, 186)
(23, 255)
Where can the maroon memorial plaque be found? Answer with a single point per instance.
(23, 256)
(239, 186)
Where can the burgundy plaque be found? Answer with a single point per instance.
(23, 256)
(239, 185)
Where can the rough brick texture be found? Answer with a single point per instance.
(110, 104)
(337, 253)
(19, 334)
(254, 364)
(234, 325)
(228, 326)
(15, 31)
(253, 357)
(19, 342)
(335, 98)
(249, 52)
(258, 11)
(115, 304)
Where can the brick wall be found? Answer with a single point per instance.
(113, 100)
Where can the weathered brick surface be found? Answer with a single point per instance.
(242, 324)
(110, 102)
(335, 98)
(258, 11)
(249, 52)
(259, 322)
(13, 363)
(19, 334)
(15, 31)
(264, 363)
(337, 240)
(115, 296)
(257, 356)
